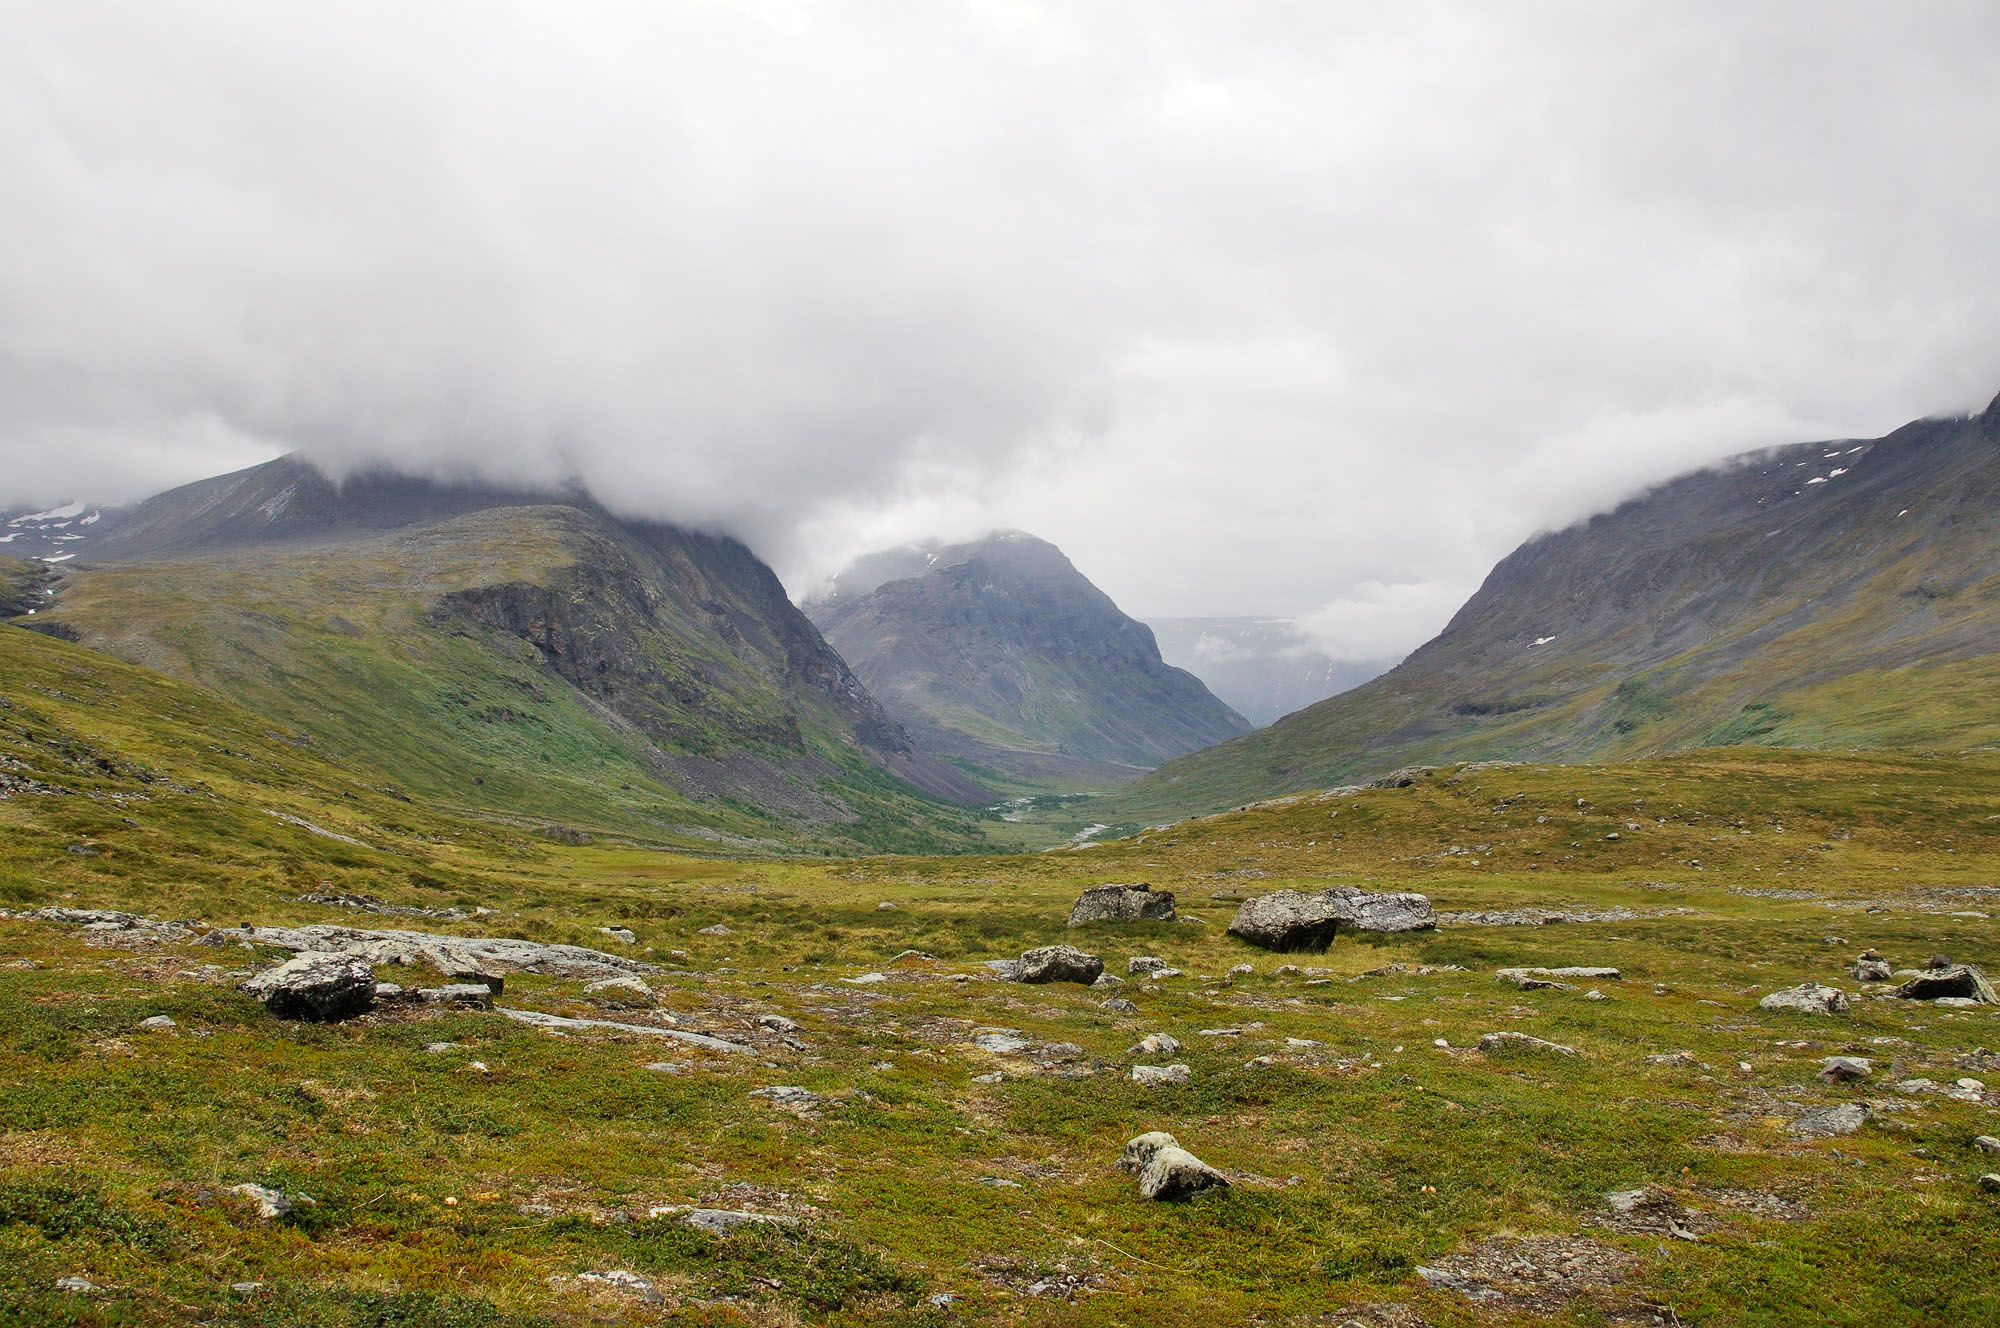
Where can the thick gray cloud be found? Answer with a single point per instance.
(1294, 308)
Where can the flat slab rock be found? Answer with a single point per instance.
(562, 1023)
(1807, 998)
(1122, 903)
(1508, 1039)
(1293, 922)
(452, 955)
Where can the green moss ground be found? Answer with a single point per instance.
(472, 1186)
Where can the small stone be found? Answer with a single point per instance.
(777, 1023)
(1990, 1182)
(717, 930)
(1167, 1171)
(624, 934)
(158, 1021)
(1845, 1069)
(76, 1285)
(1155, 1044)
(435, 1047)
(885, 907)
(1118, 1005)
(1162, 974)
(992, 1078)
(1986, 1143)
(271, 1204)
(665, 1067)
(1138, 965)
(1242, 971)
(867, 979)
(1595, 995)
(621, 1279)
(1151, 1075)
(1871, 970)
(246, 1288)
(1108, 980)
(474, 995)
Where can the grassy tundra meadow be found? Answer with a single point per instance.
(948, 1156)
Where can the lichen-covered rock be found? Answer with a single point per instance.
(1807, 998)
(315, 986)
(1153, 1075)
(1961, 981)
(1175, 1173)
(1058, 963)
(1166, 1171)
(1122, 903)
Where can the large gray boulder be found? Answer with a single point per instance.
(1289, 921)
(1122, 903)
(1807, 998)
(1292, 922)
(316, 986)
(1961, 980)
(1058, 963)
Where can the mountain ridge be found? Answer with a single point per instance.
(1752, 601)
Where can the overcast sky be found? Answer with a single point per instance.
(1306, 308)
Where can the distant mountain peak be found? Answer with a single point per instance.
(1000, 652)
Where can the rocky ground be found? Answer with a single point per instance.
(591, 1084)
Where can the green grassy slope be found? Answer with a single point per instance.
(1743, 605)
(472, 1185)
(359, 649)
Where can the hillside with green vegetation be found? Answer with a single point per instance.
(944, 1153)
(537, 662)
(1002, 656)
(1826, 595)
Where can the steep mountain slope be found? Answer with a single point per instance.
(1001, 654)
(526, 654)
(1840, 594)
(1262, 668)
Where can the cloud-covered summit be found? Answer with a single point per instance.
(1261, 308)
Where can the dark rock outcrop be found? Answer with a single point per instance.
(1058, 963)
(316, 986)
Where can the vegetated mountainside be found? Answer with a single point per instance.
(524, 654)
(1820, 595)
(1261, 668)
(1001, 654)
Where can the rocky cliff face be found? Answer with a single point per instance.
(1843, 593)
(1001, 653)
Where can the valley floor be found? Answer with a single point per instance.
(950, 1156)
